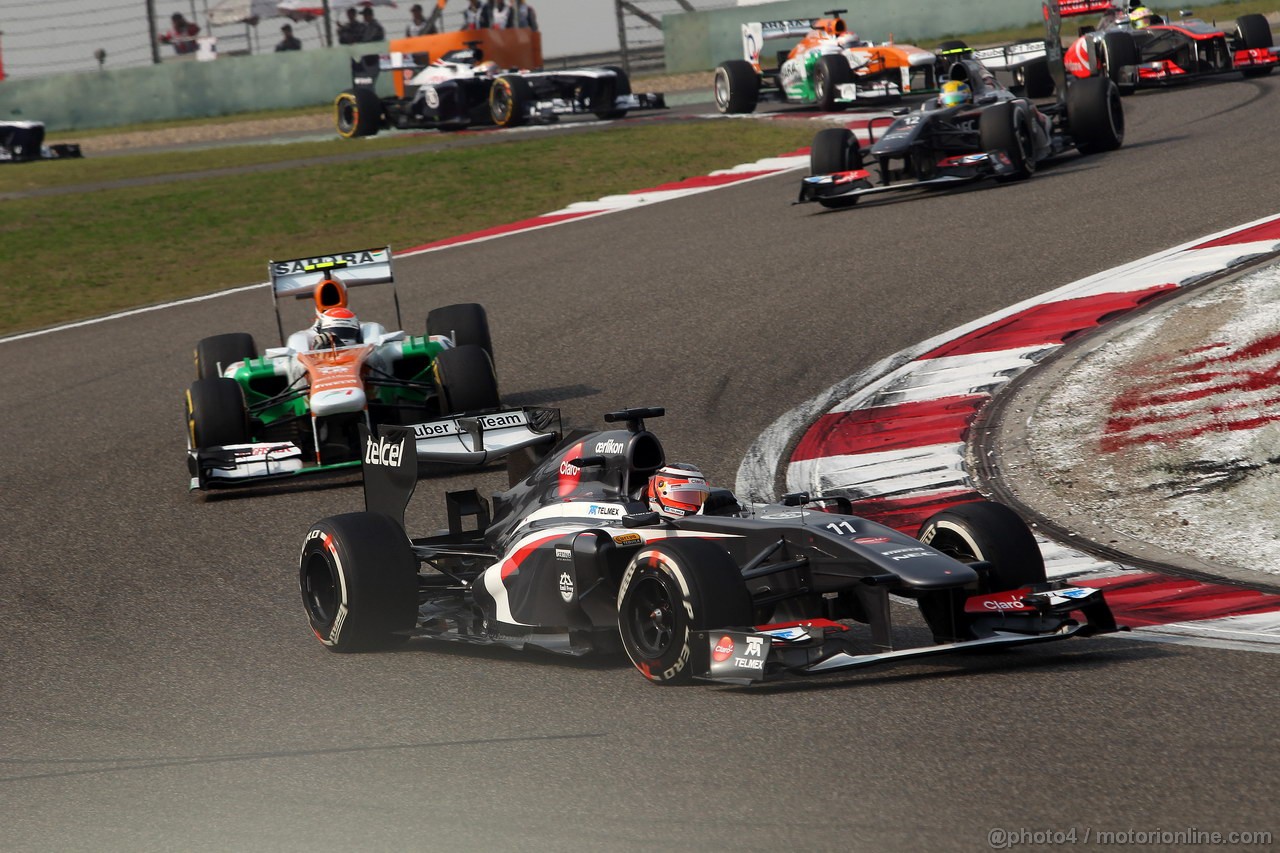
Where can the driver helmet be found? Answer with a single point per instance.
(849, 39)
(337, 327)
(677, 490)
(954, 93)
(1141, 17)
(488, 68)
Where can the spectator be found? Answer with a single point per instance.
(371, 29)
(349, 31)
(419, 26)
(473, 17)
(289, 42)
(528, 17)
(500, 15)
(182, 36)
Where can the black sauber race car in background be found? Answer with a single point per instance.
(998, 134)
(571, 559)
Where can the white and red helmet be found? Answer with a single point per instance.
(677, 490)
(337, 327)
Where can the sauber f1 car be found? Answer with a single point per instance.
(296, 408)
(1136, 47)
(571, 559)
(830, 67)
(991, 133)
(446, 83)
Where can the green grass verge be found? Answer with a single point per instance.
(81, 255)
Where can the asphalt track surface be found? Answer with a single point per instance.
(161, 690)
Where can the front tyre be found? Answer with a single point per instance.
(670, 590)
(1095, 115)
(1116, 52)
(357, 112)
(359, 582)
(216, 414)
(621, 87)
(1253, 32)
(985, 531)
(835, 150)
(1005, 127)
(831, 72)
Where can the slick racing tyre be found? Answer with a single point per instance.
(1007, 127)
(621, 86)
(831, 72)
(510, 99)
(1095, 115)
(835, 150)
(216, 354)
(991, 532)
(669, 590)
(359, 582)
(465, 324)
(216, 414)
(357, 112)
(737, 87)
(464, 380)
(1116, 52)
(1253, 31)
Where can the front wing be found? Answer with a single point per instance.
(821, 646)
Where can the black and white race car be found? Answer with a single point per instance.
(996, 133)
(461, 90)
(571, 559)
(23, 141)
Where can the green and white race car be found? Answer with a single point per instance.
(296, 409)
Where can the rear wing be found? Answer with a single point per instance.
(756, 33)
(391, 458)
(1075, 8)
(1011, 56)
(298, 277)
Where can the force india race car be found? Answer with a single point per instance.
(1152, 51)
(997, 134)
(571, 559)
(830, 67)
(445, 82)
(296, 409)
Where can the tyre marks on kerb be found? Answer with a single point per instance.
(893, 438)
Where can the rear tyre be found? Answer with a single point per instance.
(216, 413)
(835, 150)
(990, 532)
(359, 582)
(466, 324)
(621, 86)
(357, 112)
(1007, 128)
(1116, 52)
(509, 100)
(1095, 115)
(215, 354)
(831, 72)
(737, 87)
(1253, 31)
(464, 380)
(669, 590)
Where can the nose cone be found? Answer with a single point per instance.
(337, 401)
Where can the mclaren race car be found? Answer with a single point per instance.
(573, 559)
(830, 67)
(1136, 47)
(444, 82)
(993, 134)
(296, 409)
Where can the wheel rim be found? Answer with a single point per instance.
(722, 89)
(347, 115)
(820, 86)
(501, 102)
(319, 590)
(651, 618)
(955, 546)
